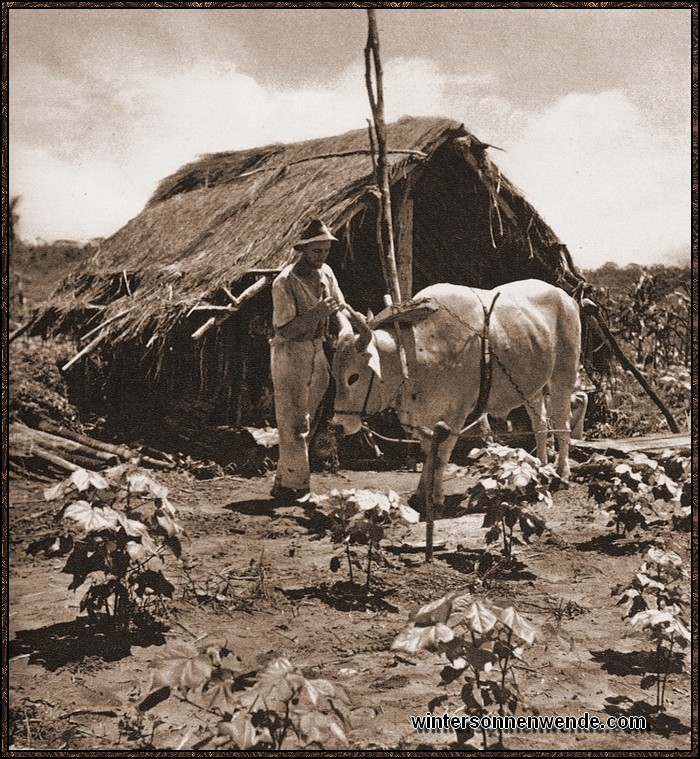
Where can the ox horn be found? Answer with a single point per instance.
(360, 324)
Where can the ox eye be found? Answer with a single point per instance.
(352, 379)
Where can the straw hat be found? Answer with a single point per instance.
(315, 232)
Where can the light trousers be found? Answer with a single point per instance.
(300, 378)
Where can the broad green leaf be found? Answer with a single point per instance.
(239, 730)
(368, 499)
(414, 639)
(641, 459)
(80, 480)
(479, 618)
(132, 527)
(518, 624)
(57, 491)
(330, 690)
(433, 612)
(461, 602)
(138, 552)
(316, 728)
(477, 658)
(139, 482)
(651, 617)
(92, 519)
(153, 581)
(664, 558)
(166, 506)
(218, 696)
(167, 525)
(83, 560)
(274, 678)
(181, 665)
(174, 545)
(680, 629)
(646, 582)
(116, 475)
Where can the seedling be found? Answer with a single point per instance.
(481, 642)
(273, 708)
(511, 479)
(657, 601)
(117, 525)
(628, 490)
(361, 517)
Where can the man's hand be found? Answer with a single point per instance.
(326, 307)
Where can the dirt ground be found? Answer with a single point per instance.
(68, 690)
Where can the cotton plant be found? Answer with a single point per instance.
(361, 517)
(481, 643)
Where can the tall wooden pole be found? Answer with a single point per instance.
(375, 91)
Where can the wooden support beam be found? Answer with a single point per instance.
(105, 323)
(404, 241)
(250, 292)
(84, 351)
(627, 364)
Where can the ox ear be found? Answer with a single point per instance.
(359, 324)
(374, 363)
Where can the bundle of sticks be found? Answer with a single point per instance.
(53, 447)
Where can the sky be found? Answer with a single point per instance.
(591, 107)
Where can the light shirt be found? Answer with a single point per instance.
(292, 297)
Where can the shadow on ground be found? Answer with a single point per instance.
(633, 663)
(56, 645)
(614, 545)
(657, 722)
(345, 596)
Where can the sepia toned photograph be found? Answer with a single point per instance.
(349, 378)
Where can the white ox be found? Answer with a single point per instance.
(535, 340)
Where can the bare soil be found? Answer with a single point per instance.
(72, 689)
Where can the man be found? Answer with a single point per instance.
(306, 298)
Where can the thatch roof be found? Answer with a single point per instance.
(226, 214)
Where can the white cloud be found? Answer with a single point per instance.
(611, 186)
(72, 201)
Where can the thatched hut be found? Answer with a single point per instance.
(219, 224)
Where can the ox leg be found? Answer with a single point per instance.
(560, 409)
(417, 500)
(442, 458)
(537, 411)
(579, 406)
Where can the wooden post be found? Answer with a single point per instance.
(439, 435)
(375, 92)
(404, 242)
(376, 98)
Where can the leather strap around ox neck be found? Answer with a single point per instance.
(486, 367)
